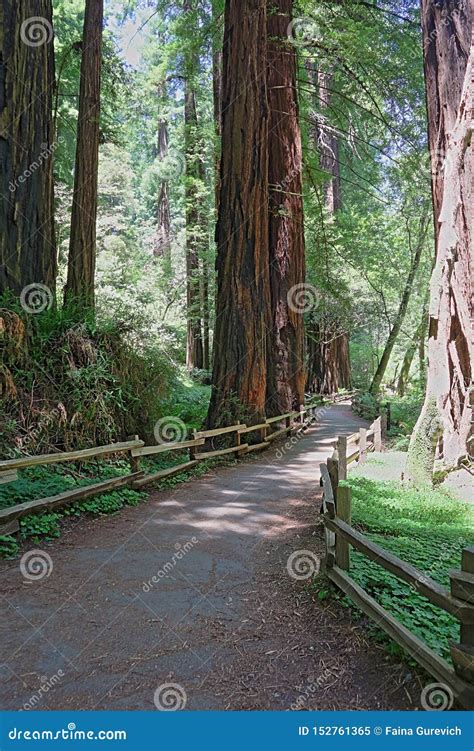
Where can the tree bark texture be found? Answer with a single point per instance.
(444, 425)
(27, 242)
(80, 282)
(243, 300)
(162, 246)
(285, 354)
(447, 28)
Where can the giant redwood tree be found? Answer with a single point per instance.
(82, 247)
(444, 424)
(446, 40)
(285, 354)
(27, 245)
(243, 302)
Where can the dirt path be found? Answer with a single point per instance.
(223, 619)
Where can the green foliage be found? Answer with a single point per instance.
(366, 405)
(427, 528)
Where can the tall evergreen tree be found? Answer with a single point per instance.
(27, 242)
(82, 247)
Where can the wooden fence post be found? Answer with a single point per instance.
(192, 449)
(383, 425)
(333, 470)
(343, 511)
(263, 433)
(238, 440)
(342, 458)
(134, 460)
(288, 425)
(462, 587)
(378, 434)
(389, 415)
(362, 445)
(301, 414)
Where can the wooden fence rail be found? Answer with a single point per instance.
(340, 537)
(136, 449)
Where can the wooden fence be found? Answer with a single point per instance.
(340, 537)
(289, 424)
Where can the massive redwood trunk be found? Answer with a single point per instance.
(27, 244)
(328, 359)
(285, 356)
(242, 305)
(445, 421)
(79, 288)
(446, 39)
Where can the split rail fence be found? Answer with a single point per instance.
(197, 445)
(341, 536)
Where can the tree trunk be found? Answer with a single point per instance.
(445, 421)
(408, 359)
(243, 300)
(395, 330)
(447, 30)
(328, 147)
(285, 354)
(79, 288)
(194, 349)
(27, 242)
(162, 246)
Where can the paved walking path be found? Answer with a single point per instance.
(191, 588)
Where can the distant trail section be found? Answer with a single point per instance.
(191, 595)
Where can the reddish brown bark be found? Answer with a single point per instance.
(285, 355)
(444, 424)
(242, 305)
(79, 288)
(27, 243)
(447, 29)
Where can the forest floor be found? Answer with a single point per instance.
(223, 618)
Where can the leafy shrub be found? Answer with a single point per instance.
(366, 406)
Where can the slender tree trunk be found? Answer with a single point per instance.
(79, 288)
(407, 360)
(162, 247)
(285, 355)
(444, 424)
(395, 330)
(328, 147)
(243, 299)
(447, 29)
(422, 347)
(27, 242)
(194, 350)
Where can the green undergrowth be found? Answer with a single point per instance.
(427, 528)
